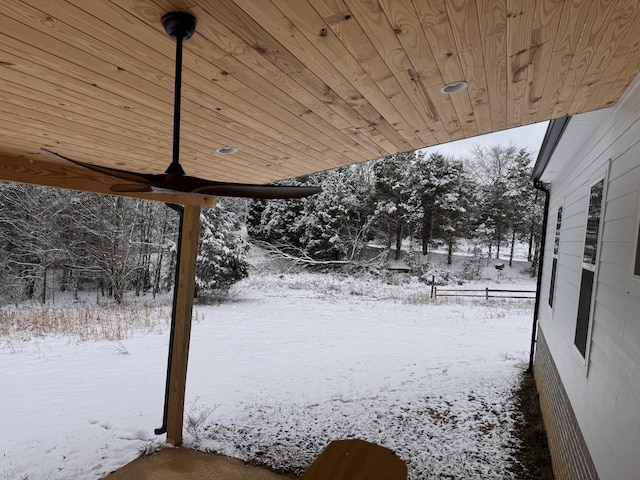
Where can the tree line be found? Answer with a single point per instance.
(57, 241)
(431, 201)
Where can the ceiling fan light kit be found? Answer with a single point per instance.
(227, 150)
(454, 87)
(181, 26)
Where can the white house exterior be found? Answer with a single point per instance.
(587, 360)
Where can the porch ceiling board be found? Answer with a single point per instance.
(297, 86)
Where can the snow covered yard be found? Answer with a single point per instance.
(290, 363)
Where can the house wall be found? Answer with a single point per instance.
(571, 457)
(604, 390)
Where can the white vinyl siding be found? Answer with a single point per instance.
(604, 393)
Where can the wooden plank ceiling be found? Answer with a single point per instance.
(297, 86)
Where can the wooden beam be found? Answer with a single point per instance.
(190, 235)
(53, 174)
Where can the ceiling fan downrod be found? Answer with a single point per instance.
(180, 26)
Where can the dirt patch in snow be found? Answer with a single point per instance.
(533, 454)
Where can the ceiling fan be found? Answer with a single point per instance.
(181, 26)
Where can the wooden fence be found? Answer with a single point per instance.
(485, 293)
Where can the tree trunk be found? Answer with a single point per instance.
(146, 264)
(398, 241)
(43, 299)
(157, 274)
(428, 207)
(427, 227)
(534, 261)
(65, 281)
(171, 277)
(513, 244)
(117, 291)
(30, 288)
(498, 238)
(450, 243)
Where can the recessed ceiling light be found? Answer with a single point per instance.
(227, 150)
(454, 87)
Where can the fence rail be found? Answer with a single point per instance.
(485, 293)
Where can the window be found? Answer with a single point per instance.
(589, 257)
(593, 223)
(556, 250)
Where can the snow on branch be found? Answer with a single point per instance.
(295, 254)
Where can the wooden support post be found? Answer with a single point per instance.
(486, 293)
(184, 307)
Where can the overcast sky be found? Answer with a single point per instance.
(529, 137)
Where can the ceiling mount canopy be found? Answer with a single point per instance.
(179, 25)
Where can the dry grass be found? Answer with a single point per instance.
(19, 325)
(329, 286)
(399, 288)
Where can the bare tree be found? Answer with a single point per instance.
(30, 237)
(506, 193)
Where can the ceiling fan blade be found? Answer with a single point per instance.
(130, 188)
(257, 191)
(141, 178)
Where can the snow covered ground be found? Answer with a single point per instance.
(292, 362)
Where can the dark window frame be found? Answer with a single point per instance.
(556, 254)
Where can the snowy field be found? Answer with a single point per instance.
(290, 363)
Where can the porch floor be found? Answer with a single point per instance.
(184, 463)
